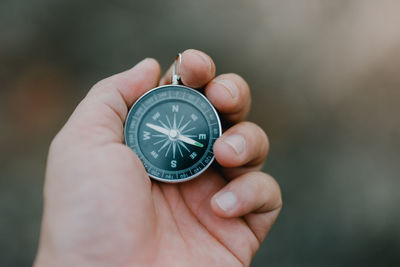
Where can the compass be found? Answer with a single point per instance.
(172, 129)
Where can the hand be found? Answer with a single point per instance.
(101, 208)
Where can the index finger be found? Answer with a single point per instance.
(197, 69)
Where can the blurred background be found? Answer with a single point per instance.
(325, 79)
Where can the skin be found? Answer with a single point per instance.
(101, 208)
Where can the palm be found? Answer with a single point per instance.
(177, 220)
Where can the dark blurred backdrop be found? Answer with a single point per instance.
(325, 78)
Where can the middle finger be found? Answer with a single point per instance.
(243, 145)
(230, 95)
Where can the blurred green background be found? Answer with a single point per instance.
(325, 79)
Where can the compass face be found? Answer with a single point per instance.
(172, 129)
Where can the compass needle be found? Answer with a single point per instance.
(189, 141)
(158, 128)
(159, 135)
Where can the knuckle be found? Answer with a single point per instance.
(256, 138)
(244, 88)
(261, 138)
(254, 130)
(103, 87)
(99, 89)
(264, 180)
(264, 147)
(266, 183)
(257, 182)
(101, 84)
(273, 184)
(240, 82)
(234, 108)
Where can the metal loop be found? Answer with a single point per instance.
(176, 70)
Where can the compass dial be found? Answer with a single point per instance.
(172, 129)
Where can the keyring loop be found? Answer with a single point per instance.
(176, 70)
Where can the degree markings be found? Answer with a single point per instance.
(178, 122)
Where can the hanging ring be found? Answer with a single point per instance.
(176, 70)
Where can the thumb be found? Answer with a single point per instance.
(101, 115)
(95, 187)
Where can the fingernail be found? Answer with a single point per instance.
(226, 201)
(237, 142)
(205, 59)
(229, 86)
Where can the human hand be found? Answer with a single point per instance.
(101, 208)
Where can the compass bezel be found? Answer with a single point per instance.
(136, 141)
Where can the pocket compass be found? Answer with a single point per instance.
(172, 129)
